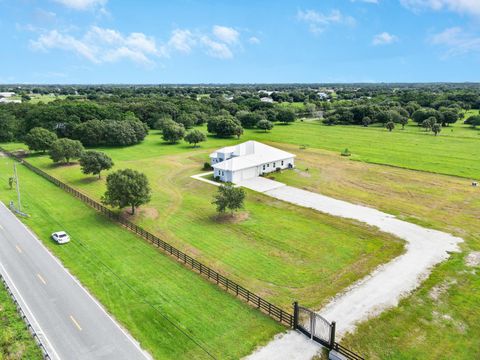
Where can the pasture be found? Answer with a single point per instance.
(279, 251)
(162, 304)
(441, 319)
(285, 252)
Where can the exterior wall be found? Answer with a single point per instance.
(274, 165)
(249, 173)
(224, 175)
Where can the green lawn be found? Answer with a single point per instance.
(35, 99)
(440, 320)
(152, 295)
(454, 152)
(279, 251)
(16, 342)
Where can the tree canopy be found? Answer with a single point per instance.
(40, 139)
(127, 187)
(195, 136)
(64, 150)
(229, 198)
(94, 162)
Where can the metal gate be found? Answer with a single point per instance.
(314, 326)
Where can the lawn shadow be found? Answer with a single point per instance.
(86, 180)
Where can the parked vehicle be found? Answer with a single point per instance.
(61, 237)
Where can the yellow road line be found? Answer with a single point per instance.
(18, 249)
(75, 323)
(42, 279)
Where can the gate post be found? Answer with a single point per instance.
(295, 315)
(332, 334)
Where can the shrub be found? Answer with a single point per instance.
(207, 166)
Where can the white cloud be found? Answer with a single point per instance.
(216, 49)
(181, 40)
(384, 38)
(83, 4)
(254, 40)
(101, 45)
(226, 34)
(456, 41)
(55, 39)
(318, 21)
(471, 7)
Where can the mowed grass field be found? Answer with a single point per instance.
(455, 151)
(440, 320)
(16, 342)
(162, 304)
(279, 251)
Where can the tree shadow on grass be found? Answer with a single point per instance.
(86, 180)
(60, 165)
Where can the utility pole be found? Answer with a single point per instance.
(17, 183)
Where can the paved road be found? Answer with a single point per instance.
(71, 323)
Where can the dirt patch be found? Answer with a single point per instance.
(147, 212)
(231, 219)
(473, 259)
(437, 291)
(303, 173)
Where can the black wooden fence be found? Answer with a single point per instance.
(229, 285)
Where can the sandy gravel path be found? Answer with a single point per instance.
(380, 290)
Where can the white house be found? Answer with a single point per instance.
(248, 160)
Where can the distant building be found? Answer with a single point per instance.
(266, 92)
(266, 99)
(248, 160)
(6, 94)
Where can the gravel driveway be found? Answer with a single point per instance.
(380, 290)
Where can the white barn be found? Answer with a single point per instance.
(248, 160)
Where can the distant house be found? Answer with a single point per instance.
(266, 99)
(248, 160)
(5, 97)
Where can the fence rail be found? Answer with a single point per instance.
(30, 328)
(229, 285)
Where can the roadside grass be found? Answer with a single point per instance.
(152, 295)
(16, 342)
(279, 251)
(440, 320)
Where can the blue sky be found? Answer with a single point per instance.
(194, 41)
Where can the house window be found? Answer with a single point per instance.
(282, 162)
(273, 164)
(263, 166)
(223, 173)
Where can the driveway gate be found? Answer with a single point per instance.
(314, 326)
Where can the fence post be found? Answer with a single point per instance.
(332, 334)
(295, 315)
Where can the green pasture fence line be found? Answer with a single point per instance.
(228, 285)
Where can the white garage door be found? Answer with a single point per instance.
(245, 174)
